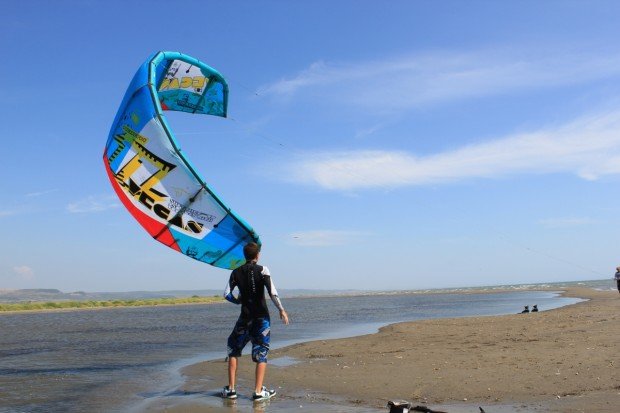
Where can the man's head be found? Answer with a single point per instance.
(251, 251)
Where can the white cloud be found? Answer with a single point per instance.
(24, 271)
(93, 204)
(323, 238)
(39, 193)
(566, 222)
(411, 81)
(364, 133)
(7, 213)
(588, 147)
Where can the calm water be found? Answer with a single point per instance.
(105, 360)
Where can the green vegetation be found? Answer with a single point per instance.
(38, 306)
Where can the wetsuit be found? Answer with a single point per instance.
(253, 324)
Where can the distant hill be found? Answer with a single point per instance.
(31, 294)
(50, 294)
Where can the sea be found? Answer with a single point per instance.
(114, 359)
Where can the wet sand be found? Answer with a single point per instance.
(563, 360)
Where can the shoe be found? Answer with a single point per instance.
(228, 394)
(264, 394)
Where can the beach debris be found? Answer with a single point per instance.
(482, 410)
(425, 410)
(403, 406)
(399, 406)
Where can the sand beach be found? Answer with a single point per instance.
(563, 360)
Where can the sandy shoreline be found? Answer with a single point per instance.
(561, 360)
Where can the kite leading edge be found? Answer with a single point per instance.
(151, 175)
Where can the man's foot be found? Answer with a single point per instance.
(264, 394)
(228, 394)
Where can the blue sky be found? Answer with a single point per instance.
(412, 145)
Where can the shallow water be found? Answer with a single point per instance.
(210, 401)
(105, 360)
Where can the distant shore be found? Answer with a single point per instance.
(562, 360)
(44, 300)
(39, 306)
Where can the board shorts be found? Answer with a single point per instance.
(256, 330)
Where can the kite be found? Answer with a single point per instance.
(152, 176)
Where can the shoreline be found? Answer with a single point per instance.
(109, 307)
(557, 286)
(547, 363)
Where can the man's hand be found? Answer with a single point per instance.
(284, 317)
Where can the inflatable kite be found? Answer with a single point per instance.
(151, 175)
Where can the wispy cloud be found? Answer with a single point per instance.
(364, 133)
(410, 81)
(566, 222)
(323, 238)
(26, 205)
(588, 147)
(93, 203)
(24, 271)
(39, 193)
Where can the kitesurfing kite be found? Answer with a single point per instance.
(151, 175)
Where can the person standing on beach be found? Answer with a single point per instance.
(617, 277)
(253, 324)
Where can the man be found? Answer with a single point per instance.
(253, 324)
(617, 277)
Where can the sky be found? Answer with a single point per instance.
(415, 145)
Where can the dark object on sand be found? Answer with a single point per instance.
(526, 309)
(535, 308)
(425, 410)
(399, 406)
(402, 406)
(481, 410)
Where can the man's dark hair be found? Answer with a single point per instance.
(250, 251)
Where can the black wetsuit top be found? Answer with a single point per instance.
(251, 279)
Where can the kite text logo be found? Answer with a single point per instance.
(196, 82)
(145, 193)
(148, 200)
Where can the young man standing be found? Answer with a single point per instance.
(253, 324)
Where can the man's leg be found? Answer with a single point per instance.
(236, 341)
(260, 336)
(261, 368)
(232, 372)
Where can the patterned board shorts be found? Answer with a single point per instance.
(257, 330)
